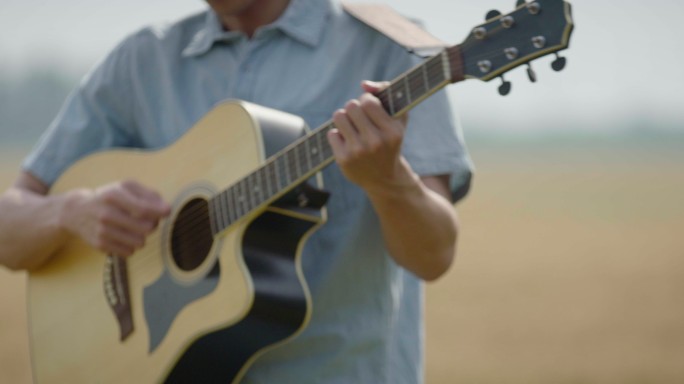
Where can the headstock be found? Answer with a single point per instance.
(534, 29)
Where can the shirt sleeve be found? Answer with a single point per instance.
(434, 143)
(98, 114)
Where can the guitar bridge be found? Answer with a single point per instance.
(117, 293)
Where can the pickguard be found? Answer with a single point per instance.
(165, 298)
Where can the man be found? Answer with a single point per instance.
(390, 220)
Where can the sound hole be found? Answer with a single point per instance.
(191, 238)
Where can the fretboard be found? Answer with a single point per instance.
(311, 153)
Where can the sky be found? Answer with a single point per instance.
(624, 65)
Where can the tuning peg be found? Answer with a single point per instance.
(531, 73)
(559, 63)
(505, 87)
(519, 3)
(492, 14)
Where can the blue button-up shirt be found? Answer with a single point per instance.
(366, 325)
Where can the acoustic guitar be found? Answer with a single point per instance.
(220, 281)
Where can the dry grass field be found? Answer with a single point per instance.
(570, 270)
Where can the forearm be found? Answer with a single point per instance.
(418, 223)
(30, 229)
(419, 227)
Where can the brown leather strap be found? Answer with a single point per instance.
(387, 21)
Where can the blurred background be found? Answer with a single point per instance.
(570, 266)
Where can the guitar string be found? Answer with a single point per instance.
(435, 74)
(204, 212)
(199, 213)
(413, 77)
(300, 158)
(294, 164)
(435, 70)
(188, 228)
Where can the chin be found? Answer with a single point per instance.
(229, 7)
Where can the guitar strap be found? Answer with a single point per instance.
(390, 23)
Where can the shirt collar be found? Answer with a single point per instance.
(303, 20)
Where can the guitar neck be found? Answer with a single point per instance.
(534, 29)
(414, 86)
(311, 153)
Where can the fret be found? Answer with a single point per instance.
(445, 64)
(397, 97)
(262, 185)
(273, 176)
(276, 173)
(297, 162)
(284, 171)
(258, 189)
(250, 192)
(243, 198)
(327, 149)
(219, 212)
(426, 80)
(287, 164)
(408, 90)
(417, 84)
(267, 187)
(232, 209)
(248, 196)
(435, 70)
(231, 213)
(308, 151)
(235, 199)
(265, 176)
(385, 98)
(391, 102)
(319, 146)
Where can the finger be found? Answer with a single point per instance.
(122, 197)
(345, 128)
(113, 216)
(140, 190)
(337, 144)
(377, 115)
(368, 132)
(120, 250)
(374, 86)
(150, 196)
(119, 236)
(118, 242)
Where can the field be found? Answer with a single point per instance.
(570, 270)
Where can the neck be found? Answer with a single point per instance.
(250, 17)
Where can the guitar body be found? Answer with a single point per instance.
(220, 281)
(154, 317)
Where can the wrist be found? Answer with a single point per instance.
(68, 206)
(402, 184)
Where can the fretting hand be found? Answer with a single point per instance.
(367, 143)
